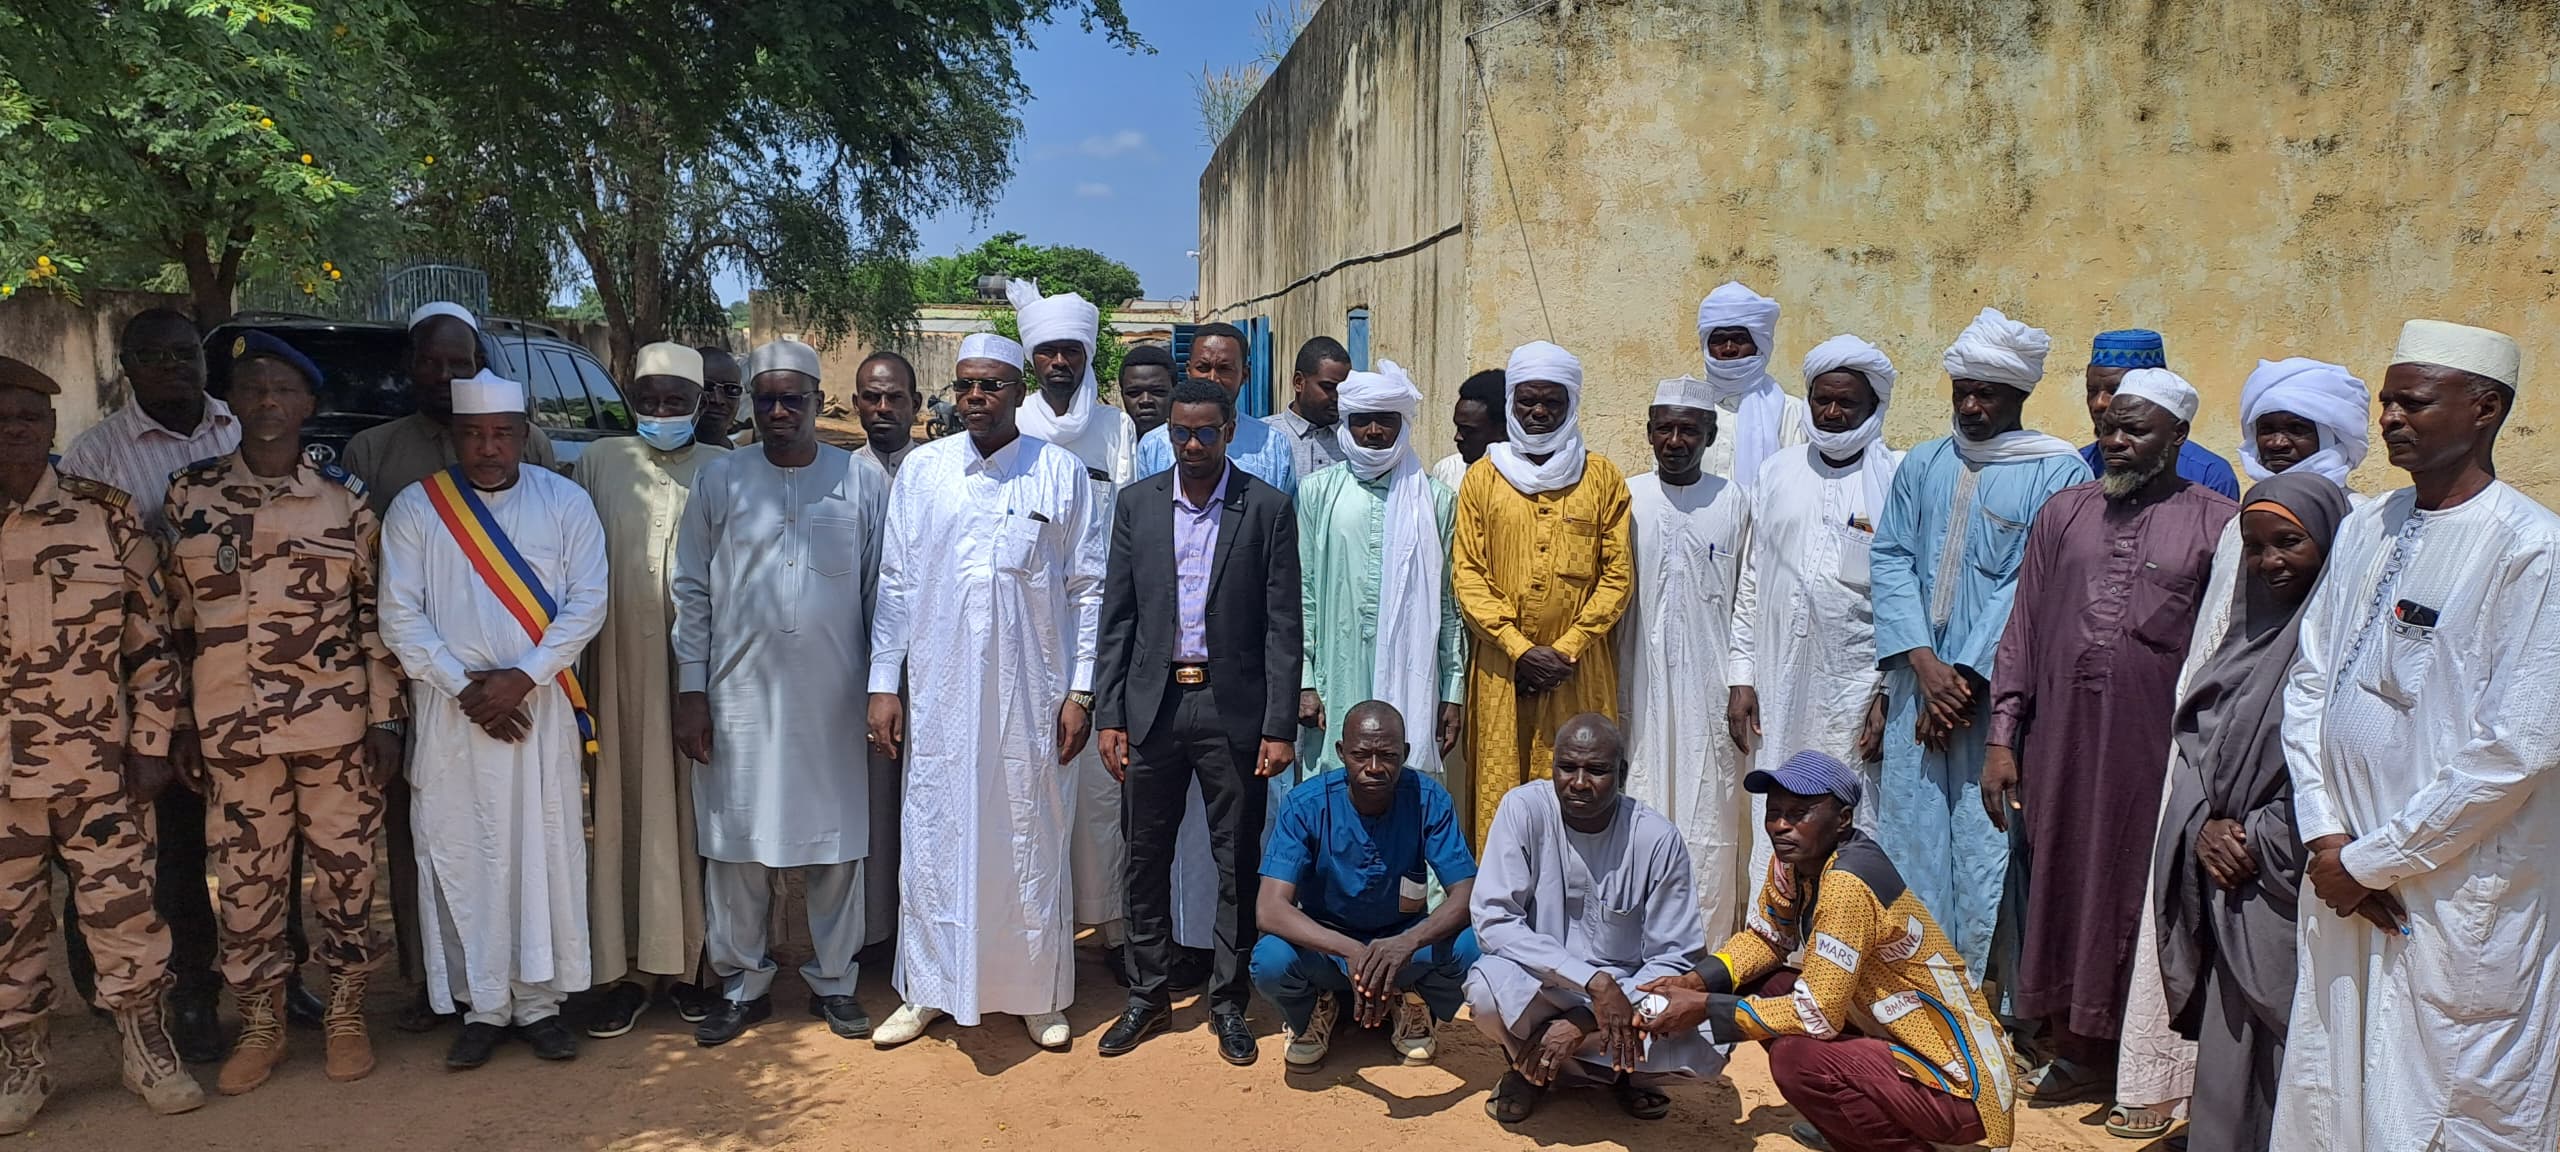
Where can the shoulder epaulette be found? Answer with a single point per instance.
(107, 494)
(210, 468)
(337, 474)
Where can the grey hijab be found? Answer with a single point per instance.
(2230, 765)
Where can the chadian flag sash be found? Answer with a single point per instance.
(505, 573)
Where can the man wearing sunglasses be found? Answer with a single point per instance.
(990, 579)
(1200, 643)
(774, 569)
(722, 385)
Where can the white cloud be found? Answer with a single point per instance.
(1093, 191)
(1120, 143)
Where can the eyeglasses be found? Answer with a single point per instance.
(795, 401)
(159, 357)
(732, 391)
(1180, 435)
(987, 384)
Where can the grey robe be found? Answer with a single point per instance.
(1547, 922)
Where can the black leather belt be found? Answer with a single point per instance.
(1191, 675)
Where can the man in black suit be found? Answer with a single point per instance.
(1199, 679)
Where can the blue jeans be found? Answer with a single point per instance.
(1293, 977)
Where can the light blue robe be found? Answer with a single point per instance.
(1930, 818)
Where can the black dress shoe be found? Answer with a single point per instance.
(474, 1046)
(728, 1018)
(550, 1038)
(1235, 1038)
(194, 1028)
(1134, 1025)
(843, 1014)
(302, 1007)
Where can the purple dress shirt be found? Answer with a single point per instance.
(1195, 550)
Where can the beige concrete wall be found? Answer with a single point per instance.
(1343, 186)
(2255, 180)
(75, 343)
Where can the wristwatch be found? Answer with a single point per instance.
(1082, 700)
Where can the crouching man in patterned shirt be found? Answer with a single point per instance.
(87, 692)
(289, 689)
(1881, 1041)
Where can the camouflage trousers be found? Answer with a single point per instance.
(257, 809)
(105, 847)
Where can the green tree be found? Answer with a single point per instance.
(953, 279)
(793, 141)
(219, 140)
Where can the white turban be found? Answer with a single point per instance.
(2479, 351)
(783, 356)
(1534, 362)
(1386, 390)
(2162, 387)
(428, 312)
(1685, 392)
(1866, 440)
(2000, 350)
(989, 346)
(486, 393)
(664, 359)
(2325, 394)
(1759, 407)
(1044, 320)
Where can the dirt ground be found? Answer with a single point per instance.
(791, 1084)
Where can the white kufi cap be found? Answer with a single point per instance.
(783, 356)
(428, 312)
(487, 394)
(1685, 392)
(2478, 351)
(990, 346)
(2164, 388)
(664, 359)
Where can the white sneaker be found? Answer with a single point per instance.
(1416, 1034)
(907, 1023)
(1048, 1029)
(1307, 1048)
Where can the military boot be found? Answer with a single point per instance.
(23, 1082)
(152, 1069)
(350, 1050)
(260, 1048)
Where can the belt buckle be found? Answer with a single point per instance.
(1190, 675)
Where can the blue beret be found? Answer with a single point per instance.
(254, 344)
(2128, 348)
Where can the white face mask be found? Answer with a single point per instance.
(668, 433)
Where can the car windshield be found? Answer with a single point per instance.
(360, 370)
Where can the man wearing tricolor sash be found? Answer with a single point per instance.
(493, 581)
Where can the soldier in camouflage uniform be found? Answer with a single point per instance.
(88, 691)
(270, 574)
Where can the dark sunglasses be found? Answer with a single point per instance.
(795, 401)
(1208, 437)
(987, 384)
(732, 391)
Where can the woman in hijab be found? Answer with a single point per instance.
(2229, 865)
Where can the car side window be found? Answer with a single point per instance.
(612, 415)
(558, 399)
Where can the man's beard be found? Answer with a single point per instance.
(2121, 483)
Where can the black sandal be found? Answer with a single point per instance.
(1638, 1101)
(1514, 1099)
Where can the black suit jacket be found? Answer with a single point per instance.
(1252, 613)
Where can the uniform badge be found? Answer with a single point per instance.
(239, 347)
(226, 558)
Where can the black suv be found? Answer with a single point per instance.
(573, 398)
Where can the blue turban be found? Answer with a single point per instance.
(2128, 348)
(254, 344)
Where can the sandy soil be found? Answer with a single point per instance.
(790, 1083)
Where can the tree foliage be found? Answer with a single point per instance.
(953, 279)
(794, 141)
(1222, 94)
(214, 140)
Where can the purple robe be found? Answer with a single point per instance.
(2084, 691)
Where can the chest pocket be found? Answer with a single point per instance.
(1996, 545)
(216, 594)
(323, 569)
(2398, 666)
(835, 545)
(1017, 545)
(1577, 549)
(87, 593)
(2162, 608)
(1852, 550)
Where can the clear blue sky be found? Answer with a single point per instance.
(1111, 152)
